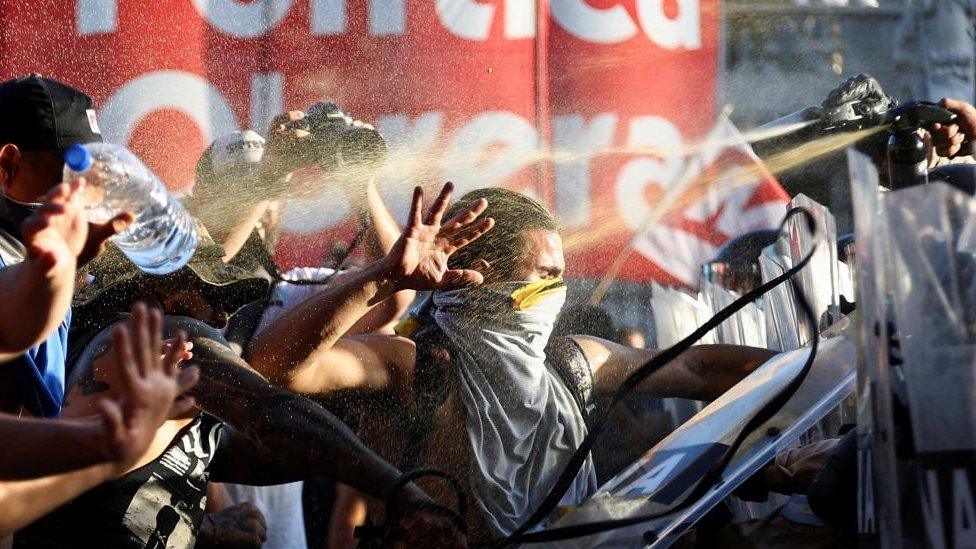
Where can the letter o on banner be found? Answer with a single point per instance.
(182, 91)
(243, 19)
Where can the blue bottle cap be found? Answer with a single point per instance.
(78, 158)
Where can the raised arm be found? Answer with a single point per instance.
(304, 338)
(99, 450)
(703, 372)
(297, 437)
(36, 293)
(383, 232)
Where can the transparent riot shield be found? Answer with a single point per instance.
(782, 327)
(676, 314)
(879, 513)
(819, 280)
(746, 327)
(931, 270)
(659, 482)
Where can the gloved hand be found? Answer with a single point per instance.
(859, 98)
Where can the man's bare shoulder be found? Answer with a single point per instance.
(597, 350)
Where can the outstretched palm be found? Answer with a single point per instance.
(418, 260)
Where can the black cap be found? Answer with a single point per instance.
(745, 248)
(40, 114)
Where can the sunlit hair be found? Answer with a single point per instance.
(503, 246)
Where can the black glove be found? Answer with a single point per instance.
(859, 100)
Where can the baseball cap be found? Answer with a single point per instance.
(40, 114)
(234, 154)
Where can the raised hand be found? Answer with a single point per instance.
(153, 388)
(418, 259)
(99, 233)
(55, 234)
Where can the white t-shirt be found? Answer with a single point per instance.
(297, 285)
(281, 504)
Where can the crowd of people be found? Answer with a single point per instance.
(187, 409)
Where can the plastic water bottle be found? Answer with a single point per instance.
(163, 236)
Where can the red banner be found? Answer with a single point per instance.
(584, 103)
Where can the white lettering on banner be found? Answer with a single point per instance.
(267, 99)
(684, 31)
(327, 17)
(604, 26)
(520, 19)
(188, 93)
(317, 213)
(387, 17)
(243, 19)
(96, 16)
(491, 147)
(412, 139)
(472, 20)
(676, 251)
(419, 134)
(465, 164)
(575, 136)
(465, 18)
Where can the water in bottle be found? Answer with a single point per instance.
(163, 236)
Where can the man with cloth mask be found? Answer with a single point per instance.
(482, 391)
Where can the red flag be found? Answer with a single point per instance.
(726, 191)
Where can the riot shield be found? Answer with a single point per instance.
(932, 274)
(819, 281)
(878, 499)
(659, 482)
(782, 327)
(746, 327)
(676, 314)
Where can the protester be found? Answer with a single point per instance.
(639, 421)
(631, 337)
(39, 119)
(499, 340)
(266, 435)
(240, 162)
(584, 319)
